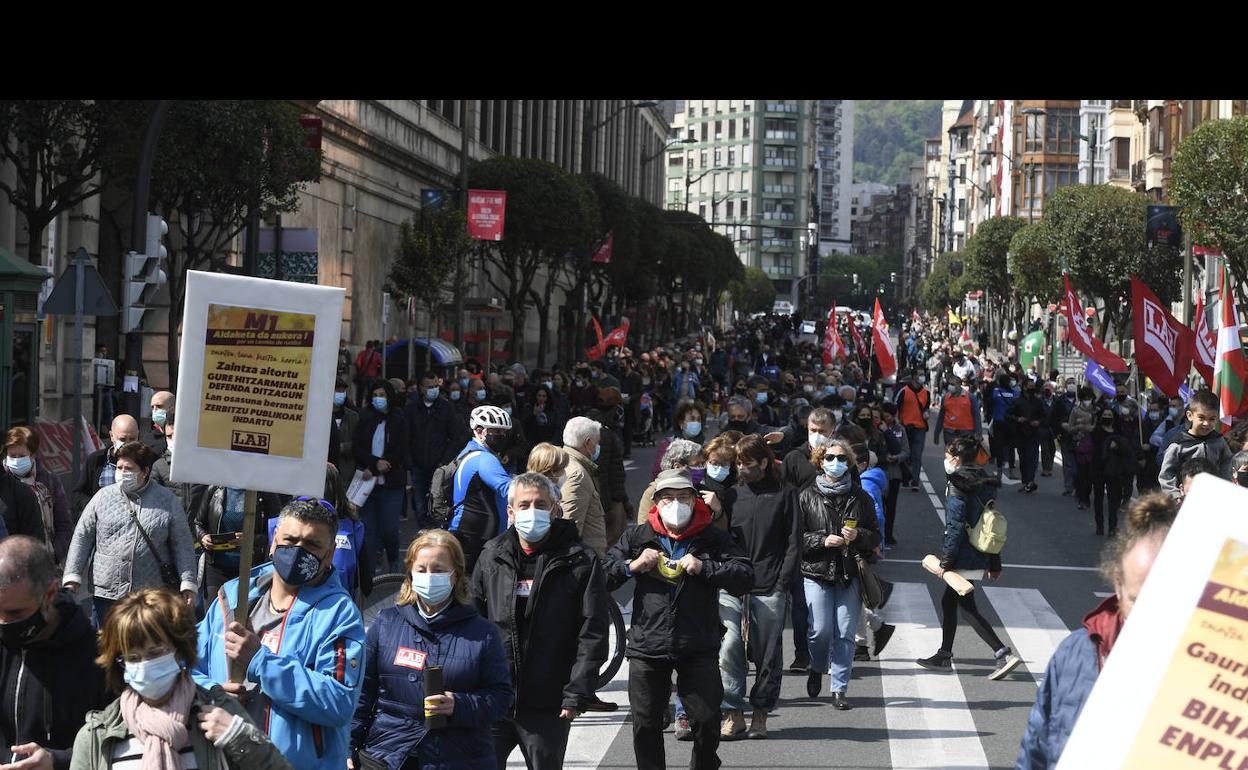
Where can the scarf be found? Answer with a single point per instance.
(834, 488)
(161, 729)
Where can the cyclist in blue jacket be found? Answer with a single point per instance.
(479, 511)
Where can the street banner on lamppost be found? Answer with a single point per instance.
(486, 210)
(256, 383)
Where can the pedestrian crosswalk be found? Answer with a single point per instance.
(1033, 625)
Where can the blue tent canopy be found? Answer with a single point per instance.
(444, 353)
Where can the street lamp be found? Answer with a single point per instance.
(667, 147)
(689, 182)
(590, 130)
(1027, 168)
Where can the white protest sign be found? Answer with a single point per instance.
(256, 383)
(1165, 699)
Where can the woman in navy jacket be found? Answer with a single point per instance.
(381, 447)
(433, 624)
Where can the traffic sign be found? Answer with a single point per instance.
(95, 297)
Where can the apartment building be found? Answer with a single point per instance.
(834, 174)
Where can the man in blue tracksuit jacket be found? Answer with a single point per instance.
(305, 650)
(479, 505)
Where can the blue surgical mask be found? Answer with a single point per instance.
(481, 394)
(533, 524)
(340, 399)
(693, 428)
(717, 472)
(835, 468)
(153, 679)
(431, 394)
(1173, 412)
(463, 382)
(380, 404)
(1154, 415)
(159, 417)
(433, 588)
(19, 466)
(454, 395)
(597, 451)
(761, 397)
(295, 565)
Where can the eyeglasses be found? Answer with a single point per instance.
(323, 503)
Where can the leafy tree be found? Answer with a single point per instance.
(1034, 264)
(889, 136)
(836, 273)
(1209, 180)
(548, 215)
(429, 249)
(216, 162)
(754, 292)
(54, 146)
(1099, 229)
(618, 216)
(986, 262)
(941, 289)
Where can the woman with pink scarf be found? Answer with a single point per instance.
(163, 720)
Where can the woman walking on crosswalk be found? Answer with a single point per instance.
(971, 487)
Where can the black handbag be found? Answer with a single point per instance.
(168, 574)
(870, 588)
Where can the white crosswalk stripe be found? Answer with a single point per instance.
(931, 495)
(1034, 628)
(593, 732)
(921, 733)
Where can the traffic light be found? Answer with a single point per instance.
(955, 268)
(144, 275)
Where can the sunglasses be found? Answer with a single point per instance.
(323, 503)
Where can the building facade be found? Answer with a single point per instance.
(748, 168)
(835, 174)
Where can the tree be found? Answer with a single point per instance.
(1209, 181)
(54, 145)
(986, 256)
(754, 292)
(889, 136)
(940, 289)
(1099, 229)
(217, 161)
(836, 273)
(616, 212)
(548, 215)
(1034, 264)
(429, 248)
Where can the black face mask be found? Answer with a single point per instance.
(1242, 478)
(750, 475)
(19, 633)
(737, 426)
(496, 444)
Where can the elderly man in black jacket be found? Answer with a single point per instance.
(48, 676)
(680, 563)
(546, 591)
(100, 469)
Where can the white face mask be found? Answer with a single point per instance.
(817, 440)
(675, 513)
(951, 465)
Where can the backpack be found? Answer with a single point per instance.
(442, 490)
(988, 534)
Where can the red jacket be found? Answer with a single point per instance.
(700, 521)
(370, 366)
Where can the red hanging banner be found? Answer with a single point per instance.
(486, 210)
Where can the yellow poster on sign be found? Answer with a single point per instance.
(1198, 717)
(256, 371)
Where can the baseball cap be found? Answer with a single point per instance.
(673, 479)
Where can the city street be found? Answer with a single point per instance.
(904, 716)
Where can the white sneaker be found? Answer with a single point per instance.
(1005, 665)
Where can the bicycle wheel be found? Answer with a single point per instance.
(385, 591)
(617, 642)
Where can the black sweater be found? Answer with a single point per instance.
(765, 522)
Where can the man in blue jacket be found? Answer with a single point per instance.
(479, 506)
(304, 650)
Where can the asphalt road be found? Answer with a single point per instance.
(905, 716)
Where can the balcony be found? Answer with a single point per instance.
(1137, 173)
(781, 108)
(778, 216)
(1119, 174)
(778, 244)
(771, 160)
(777, 271)
(780, 135)
(779, 188)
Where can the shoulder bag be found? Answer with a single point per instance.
(168, 575)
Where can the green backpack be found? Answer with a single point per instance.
(988, 534)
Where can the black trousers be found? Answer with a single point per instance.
(542, 737)
(701, 690)
(1117, 489)
(950, 603)
(890, 507)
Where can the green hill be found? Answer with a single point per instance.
(889, 135)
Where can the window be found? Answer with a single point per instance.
(1060, 130)
(704, 130)
(719, 158)
(732, 129)
(962, 209)
(675, 159)
(1122, 154)
(702, 159)
(702, 210)
(729, 209)
(745, 209)
(962, 172)
(692, 135)
(719, 129)
(745, 129)
(1033, 126)
(732, 156)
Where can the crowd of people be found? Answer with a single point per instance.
(773, 501)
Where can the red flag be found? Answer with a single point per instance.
(860, 347)
(1163, 345)
(594, 353)
(603, 254)
(617, 337)
(914, 315)
(1081, 336)
(1206, 343)
(833, 348)
(884, 352)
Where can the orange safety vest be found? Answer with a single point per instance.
(912, 407)
(958, 413)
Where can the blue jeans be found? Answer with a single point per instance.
(766, 648)
(101, 607)
(834, 612)
(918, 437)
(380, 516)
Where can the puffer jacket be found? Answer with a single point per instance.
(1068, 680)
(678, 620)
(969, 489)
(389, 722)
(823, 515)
(250, 749)
(107, 540)
(555, 662)
(1080, 422)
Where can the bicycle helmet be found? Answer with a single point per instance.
(489, 417)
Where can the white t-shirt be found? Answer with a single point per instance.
(379, 445)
